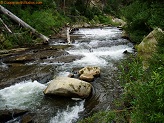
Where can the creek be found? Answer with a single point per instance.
(102, 47)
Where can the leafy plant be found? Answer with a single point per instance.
(136, 20)
(144, 89)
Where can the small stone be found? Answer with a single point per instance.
(87, 77)
(71, 75)
(95, 71)
(125, 52)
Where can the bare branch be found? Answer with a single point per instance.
(5, 26)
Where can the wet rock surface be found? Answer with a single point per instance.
(63, 59)
(23, 64)
(34, 55)
(18, 73)
(16, 115)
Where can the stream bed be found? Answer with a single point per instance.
(101, 47)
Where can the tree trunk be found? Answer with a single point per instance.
(64, 7)
(22, 23)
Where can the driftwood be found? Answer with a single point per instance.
(68, 35)
(23, 24)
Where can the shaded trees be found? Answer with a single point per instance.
(142, 17)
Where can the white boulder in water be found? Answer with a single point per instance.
(88, 73)
(68, 87)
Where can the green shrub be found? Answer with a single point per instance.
(105, 19)
(112, 7)
(95, 20)
(142, 17)
(156, 15)
(7, 45)
(44, 21)
(148, 100)
(137, 14)
(144, 89)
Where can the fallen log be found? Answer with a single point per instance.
(23, 24)
(7, 28)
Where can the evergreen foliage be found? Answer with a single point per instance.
(142, 17)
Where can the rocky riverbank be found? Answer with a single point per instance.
(24, 63)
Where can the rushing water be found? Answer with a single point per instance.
(101, 47)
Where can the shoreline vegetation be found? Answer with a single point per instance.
(143, 89)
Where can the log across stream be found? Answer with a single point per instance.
(101, 47)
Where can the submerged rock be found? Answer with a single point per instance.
(27, 118)
(71, 75)
(126, 52)
(88, 73)
(68, 87)
(125, 35)
(17, 73)
(16, 115)
(35, 55)
(67, 58)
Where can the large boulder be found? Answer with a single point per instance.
(88, 73)
(148, 46)
(119, 22)
(68, 87)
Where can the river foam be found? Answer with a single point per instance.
(97, 33)
(98, 56)
(3, 65)
(70, 115)
(98, 46)
(26, 94)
